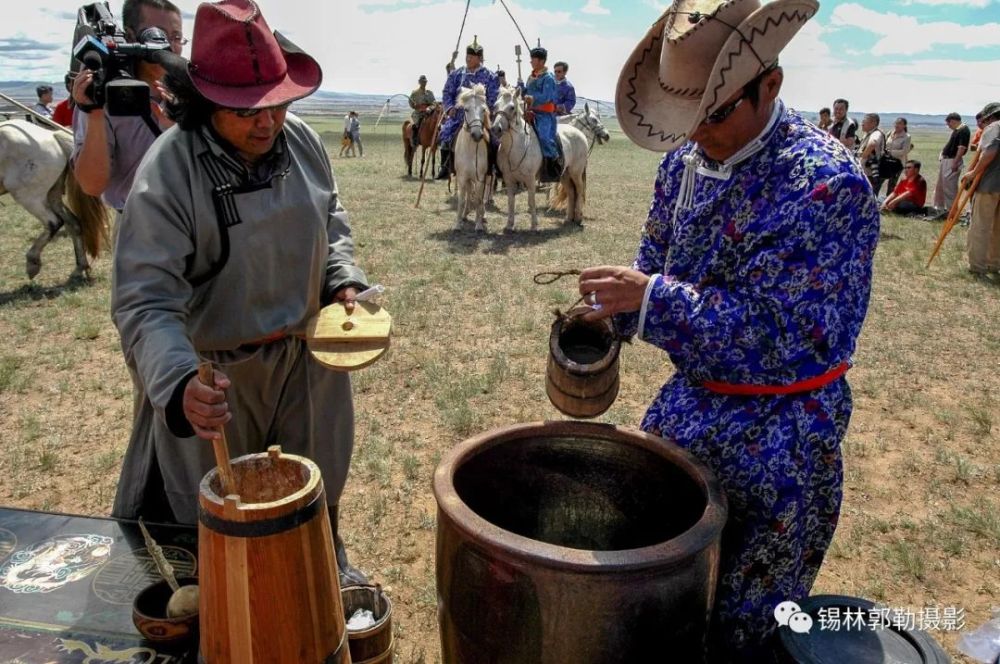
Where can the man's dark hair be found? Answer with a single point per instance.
(824, 110)
(132, 9)
(906, 125)
(561, 64)
(954, 116)
(188, 108)
(43, 89)
(846, 103)
(874, 117)
(914, 163)
(752, 89)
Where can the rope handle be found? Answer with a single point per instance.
(550, 277)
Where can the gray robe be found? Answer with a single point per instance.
(210, 260)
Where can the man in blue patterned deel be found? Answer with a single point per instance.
(753, 274)
(464, 77)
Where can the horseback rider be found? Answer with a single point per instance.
(464, 77)
(541, 92)
(422, 102)
(567, 93)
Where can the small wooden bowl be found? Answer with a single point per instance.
(149, 613)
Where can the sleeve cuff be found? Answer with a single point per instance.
(174, 412)
(653, 281)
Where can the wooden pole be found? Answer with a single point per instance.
(206, 374)
(36, 114)
(957, 206)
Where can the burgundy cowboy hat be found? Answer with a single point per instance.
(694, 58)
(236, 61)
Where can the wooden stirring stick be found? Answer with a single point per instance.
(206, 374)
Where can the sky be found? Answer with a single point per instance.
(920, 56)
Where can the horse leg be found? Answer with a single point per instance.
(480, 206)
(75, 229)
(52, 223)
(581, 194)
(511, 187)
(531, 208)
(570, 188)
(461, 207)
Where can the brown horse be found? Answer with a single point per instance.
(426, 138)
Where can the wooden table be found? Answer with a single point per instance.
(67, 584)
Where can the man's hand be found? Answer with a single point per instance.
(452, 111)
(348, 296)
(206, 407)
(80, 85)
(616, 289)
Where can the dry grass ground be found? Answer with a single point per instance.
(921, 515)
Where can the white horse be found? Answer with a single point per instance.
(573, 184)
(520, 153)
(471, 154)
(571, 192)
(34, 170)
(589, 122)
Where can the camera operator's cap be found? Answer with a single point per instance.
(236, 61)
(695, 57)
(991, 109)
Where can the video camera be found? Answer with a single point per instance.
(101, 46)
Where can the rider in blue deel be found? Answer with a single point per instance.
(464, 77)
(541, 94)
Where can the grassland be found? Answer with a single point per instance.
(921, 516)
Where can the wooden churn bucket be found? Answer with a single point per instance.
(268, 573)
(374, 644)
(582, 374)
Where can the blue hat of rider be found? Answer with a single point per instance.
(475, 48)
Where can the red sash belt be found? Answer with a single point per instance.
(549, 107)
(807, 385)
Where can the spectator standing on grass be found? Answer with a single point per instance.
(844, 129)
(951, 163)
(898, 146)
(978, 134)
(872, 147)
(63, 112)
(824, 121)
(355, 130)
(910, 195)
(983, 240)
(346, 142)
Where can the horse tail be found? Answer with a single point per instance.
(408, 151)
(91, 212)
(560, 199)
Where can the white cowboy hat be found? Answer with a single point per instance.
(696, 56)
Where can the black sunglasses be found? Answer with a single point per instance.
(723, 112)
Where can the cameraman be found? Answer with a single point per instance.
(109, 148)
